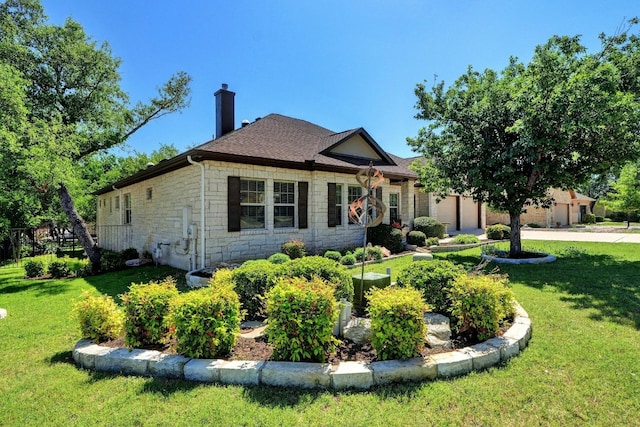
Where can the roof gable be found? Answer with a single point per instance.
(357, 147)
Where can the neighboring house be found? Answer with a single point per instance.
(568, 208)
(243, 194)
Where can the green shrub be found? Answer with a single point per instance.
(330, 271)
(147, 307)
(431, 227)
(432, 241)
(599, 218)
(417, 238)
(589, 219)
(130, 253)
(111, 260)
(34, 268)
(82, 268)
(533, 225)
(387, 236)
(465, 239)
(397, 322)
(59, 269)
(302, 314)
(206, 322)
(252, 280)
(374, 253)
(498, 232)
(348, 259)
(222, 277)
(99, 317)
(433, 278)
(294, 248)
(333, 255)
(279, 258)
(480, 303)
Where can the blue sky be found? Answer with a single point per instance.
(339, 64)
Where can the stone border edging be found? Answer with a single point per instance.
(541, 260)
(358, 375)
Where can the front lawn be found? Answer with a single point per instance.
(582, 366)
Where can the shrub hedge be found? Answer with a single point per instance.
(34, 268)
(294, 248)
(330, 271)
(431, 227)
(333, 255)
(387, 236)
(498, 232)
(397, 322)
(252, 280)
(59, 269)
(374, 253)
(417, 238)
(99, 317)
(589, 219)
(279, 258)
(465, 239)
(432, 241)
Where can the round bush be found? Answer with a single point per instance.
(333, 255)
(589, 219)
(433, 278)
(206, 322)
(302, 313)
(99, 317)
(252, 280)
(374, 253)
(130, 253)
(348, 259)
(417, 238)
(432, 241)
(279, 258)
(330, 271)
(431, 227)
(465, 239)
(294, 248)
(387, 236)
(34, 268)
(59, 269)
(498, 232)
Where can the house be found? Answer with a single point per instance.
(243, 194)
(568, 208)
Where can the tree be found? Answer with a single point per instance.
(506, 138)
(75, 105)
(625, 191)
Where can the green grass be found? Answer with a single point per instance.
(582, 366)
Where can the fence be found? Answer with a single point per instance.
(28, 242)
(115, 237)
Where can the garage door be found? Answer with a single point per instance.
(469, 218)
(447, 212)
(561, 214)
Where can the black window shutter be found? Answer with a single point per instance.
(331, 204)
(233, 203)
(379, 194)
(303, 196)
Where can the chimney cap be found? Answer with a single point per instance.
(225, 86)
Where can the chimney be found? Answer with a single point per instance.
(224, 111)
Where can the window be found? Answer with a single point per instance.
(149, 193)
(394, 213)
(110, 204)
(252, 198)
(354, 193)
(338, 204)
(284, 199)
(127, 208)
(117, 202)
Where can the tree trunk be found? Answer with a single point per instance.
(79, 227)
(515, 246)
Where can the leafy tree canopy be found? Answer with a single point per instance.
(507, 138)
(625, 191)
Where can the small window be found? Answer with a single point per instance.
(252, 200)
(284, 209)
(127, 208)
(354, 193)
(110, 204)
(394, 213)
(117, 202)
(338, 204)
(149, 193)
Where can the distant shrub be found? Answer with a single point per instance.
(206, 322)
(480, 304)
(330, 271)
(348, 259)
(130, 253)
(498, 232)
(111, 260)
(302, 313)
(533, 225)
(34, 268)
(433, 278)
(147, 306)
(279, 258)
(432, 241)
(465, 239)
(417, 238)
(397, 322)
(252, 280)
(374, 253)
(599, 218)
(589, 219)
(294, 248)
(99, 317)
(431, 227)
(387, 236)
(333, 255)
(59, 269)
(83, 268)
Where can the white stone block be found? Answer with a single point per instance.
(135, 361)
(352, 375)
(297, 374)
(203, 370)
(414, 369)
(483, 355)
(3, 313)
(509, 347)
(85, 353)
(422, 256)
(453, 363)
(168, 366)
(241, 372)
(519, 332)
